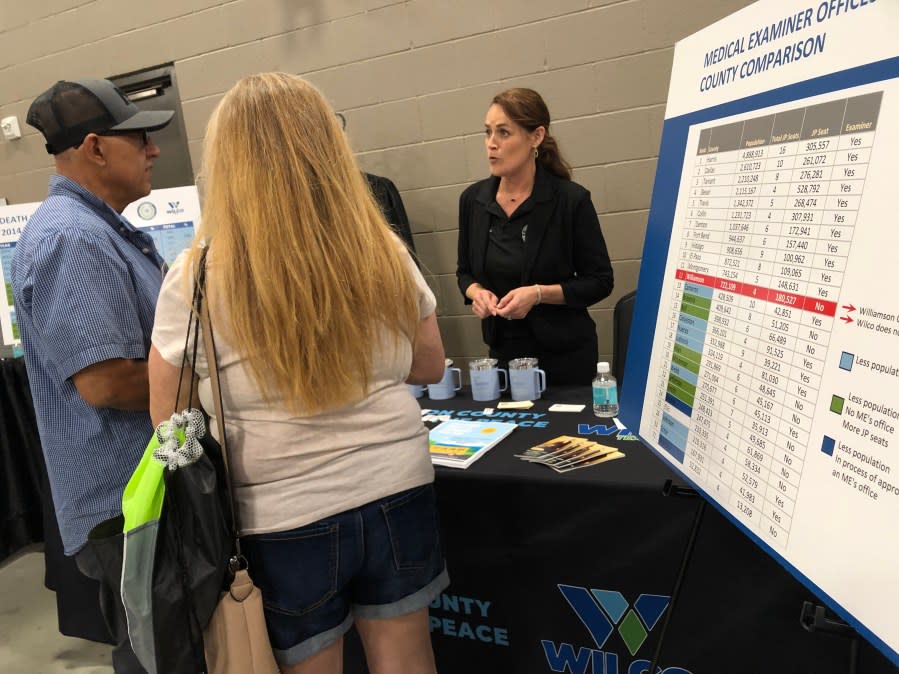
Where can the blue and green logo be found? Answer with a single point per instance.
(602, 611)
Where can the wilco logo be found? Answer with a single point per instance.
(174, 208)
(597, 429)
(601, 611)
(620, 432)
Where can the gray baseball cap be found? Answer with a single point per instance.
(68, 111)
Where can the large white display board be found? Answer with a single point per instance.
(169, 215)
(771, 350)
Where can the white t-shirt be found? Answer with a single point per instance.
(288, 470)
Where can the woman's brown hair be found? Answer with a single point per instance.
(526, 108)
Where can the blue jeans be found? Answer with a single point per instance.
(382, 560)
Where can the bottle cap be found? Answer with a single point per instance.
(602, 368)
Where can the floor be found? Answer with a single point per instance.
(30, 642)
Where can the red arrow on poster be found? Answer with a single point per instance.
(847, 319)
(849, 307)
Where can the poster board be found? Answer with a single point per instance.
(12, 221)
(766, 367)
(169, 215)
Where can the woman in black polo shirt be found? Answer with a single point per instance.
(532, 257)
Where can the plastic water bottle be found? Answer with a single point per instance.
(605, 392)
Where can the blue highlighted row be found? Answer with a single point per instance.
(692, 343)
(672, 449)
(675, 431)
(701, 291)
(684, 374)
(673, 437)
(700, 325)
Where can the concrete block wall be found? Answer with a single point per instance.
(413, 78)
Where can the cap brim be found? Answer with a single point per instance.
(151, 120)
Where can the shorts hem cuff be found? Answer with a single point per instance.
(408, 604)
(312, 645)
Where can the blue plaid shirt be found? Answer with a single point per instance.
(85, 284)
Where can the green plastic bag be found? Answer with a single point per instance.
(145, 491)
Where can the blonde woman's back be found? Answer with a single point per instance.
(307, 267)
(292, 468)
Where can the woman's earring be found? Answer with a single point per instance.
(536, 153)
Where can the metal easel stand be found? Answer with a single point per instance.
(817, 618)
(813, 617)
(670, 489)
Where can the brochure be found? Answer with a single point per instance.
(592, 461)
(567, 453)
(458, 444)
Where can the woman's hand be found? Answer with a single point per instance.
(483, 302)
(518, 302)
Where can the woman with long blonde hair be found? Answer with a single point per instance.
(321, 318)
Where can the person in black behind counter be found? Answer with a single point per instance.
(531, 256)
(390, 202)
(391, 205)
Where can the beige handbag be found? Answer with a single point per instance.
(236, 639)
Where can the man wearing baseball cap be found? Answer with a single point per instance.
(85, 283)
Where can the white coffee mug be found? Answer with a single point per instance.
(417, 390)
(448, 385)
(485, 378)
(526, 380)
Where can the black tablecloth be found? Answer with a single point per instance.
(516, 534)
(640, 470)
(21, 462)
(26, 508)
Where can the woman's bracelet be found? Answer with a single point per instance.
(539, 293)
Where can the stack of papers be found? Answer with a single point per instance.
(567, 453)
(458, 444)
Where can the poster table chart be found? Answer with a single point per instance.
(772, 204)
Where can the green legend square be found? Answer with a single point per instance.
(836, 404)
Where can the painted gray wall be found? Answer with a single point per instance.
(414, 79)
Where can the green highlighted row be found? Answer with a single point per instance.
(694, 310)
(687, 358)
(681, 389)
(696, 301)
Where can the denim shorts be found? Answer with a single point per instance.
(382, 560)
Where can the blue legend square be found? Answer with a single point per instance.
(828, 445)
(846, 361)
